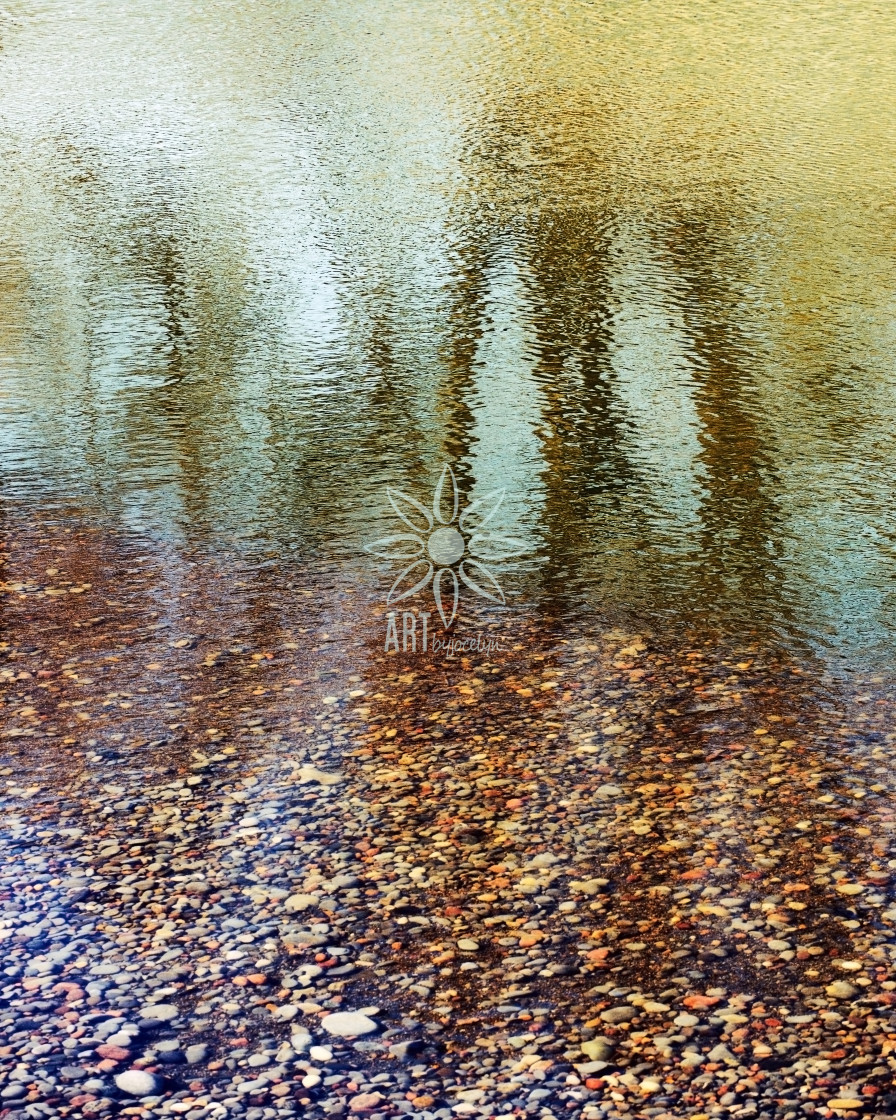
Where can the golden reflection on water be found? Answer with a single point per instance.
(633, 262)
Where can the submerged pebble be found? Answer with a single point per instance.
(474, 916)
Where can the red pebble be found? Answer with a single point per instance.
(117, 1053)
(700, 1001)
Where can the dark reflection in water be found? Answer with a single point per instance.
(634, 266)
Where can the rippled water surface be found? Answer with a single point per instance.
(632, 262)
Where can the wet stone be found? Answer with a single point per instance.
(619, 1014)
(160, 1013)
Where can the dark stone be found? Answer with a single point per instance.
(171, 1057)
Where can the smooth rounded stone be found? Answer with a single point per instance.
(300, 1041)
(159, 1012)
(341, 882)
(721, 1053)
(622, 1014)
(13, 1092)
(121, 1038)
(198, 1052)
(348, 1024)
(841, 989)
(298, 902)
(285, 1013)
(518, 1041)
(137, 1083)
(364, 1102)
(597, 1049)
(320, 1054)
(306, 973)
(468, 945)
(588, 1068)
(313, 774)
(404, 1050)
(259, 1085)
(116, 1053)
(105, 1028)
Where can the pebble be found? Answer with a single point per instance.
(364, 1102)
(348, 1024)
(283, 864)
(160, 1012)
(619, 1014)
(137, 1082)
(121, 1039)
(256, 1085)
(313, 774)
(841, 989)
(300, 901)
(116, 1053)
(599, 1050)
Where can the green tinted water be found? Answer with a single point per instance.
(632, 262)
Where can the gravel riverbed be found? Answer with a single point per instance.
(255, 866)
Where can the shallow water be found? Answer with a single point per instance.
(632, 264)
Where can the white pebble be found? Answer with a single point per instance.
(347, 1024)
(136, 1082)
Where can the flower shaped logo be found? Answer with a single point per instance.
(438, 543)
